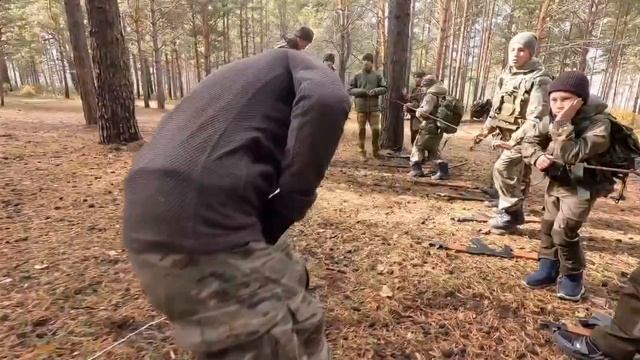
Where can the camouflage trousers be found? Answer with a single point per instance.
(621, 340)
(511, 177)
(373, 119)
(564, 215)
(249, 303)
(428, 140)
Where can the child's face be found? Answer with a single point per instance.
(560, 100)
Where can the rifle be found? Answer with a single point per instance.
(479, 247)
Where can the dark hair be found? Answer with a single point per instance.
(329, 57)
(305, 33)
(367, 57)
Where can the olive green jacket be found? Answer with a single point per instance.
(361, 85)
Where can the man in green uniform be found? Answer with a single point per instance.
(619, 340)
(413, 102)
(521, 96)
(579, 133)
(366, 87)
(430, 134)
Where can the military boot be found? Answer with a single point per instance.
(375, 143)
(547, 274)
(443, 171)
(416, 170)
(507, 220)
(578, 346)
(570, 287)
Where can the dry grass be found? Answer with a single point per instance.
(66, 289)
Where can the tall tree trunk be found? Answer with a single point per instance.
(73, 74)
(117, 122)
(136, 74)
(411, 41)
(282, 16)
(636, 102)
(206, 38)
(397, 44)
(253, 30)
(607, 74)
(167, 66)
(343, 12)
(4, 71)
(243, 51)
(381, 38)
(541, 26)
(178, 69)
(144, 75)
(461, 48)
(487, 58)
(588, 33)
(451, 35)
(63, 70)
(82, 60)
(16, 76)
(194, 33)
(442, 38)
(157, 56)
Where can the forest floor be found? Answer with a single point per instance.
(67, 291)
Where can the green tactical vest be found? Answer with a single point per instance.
(512, 105)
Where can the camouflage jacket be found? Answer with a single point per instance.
(581, 141)
(415, 99)
(520, 96)
(360, 86)
(429, 108)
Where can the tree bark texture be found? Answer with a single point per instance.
(117, 122)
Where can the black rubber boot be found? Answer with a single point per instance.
(416, 170)
(507, 220)
(443, 171)
(491, 192)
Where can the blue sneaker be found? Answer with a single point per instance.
(547, 274)
(570, 287)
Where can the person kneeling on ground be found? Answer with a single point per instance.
(208, 200)
(619, 340)
(430, 134)
(579, 132)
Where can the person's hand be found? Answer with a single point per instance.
(503, 145)
(477, 139)
(371, 92)
(544, 162)
(570, 111)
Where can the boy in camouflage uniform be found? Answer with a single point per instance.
(366, 87)
(521, 97)
(430, 135)
(208, 200)
(413, 102)
(619, 340)
(579, 133)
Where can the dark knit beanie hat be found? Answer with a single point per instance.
(367, 57)
(574, 82)
(305, 34)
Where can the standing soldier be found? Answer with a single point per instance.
(208, 200)
(579, 133)
(430, 134)
(413, 102)
(619, 340)
(299, 41)
(521, 96)
(366, 87)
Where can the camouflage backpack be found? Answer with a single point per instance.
(450, 111)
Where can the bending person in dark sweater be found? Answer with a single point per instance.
(209, 198)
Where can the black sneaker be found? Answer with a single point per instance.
(578, 346)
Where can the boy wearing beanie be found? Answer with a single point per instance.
(579, 132)
(521, 97)
(366, 87)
